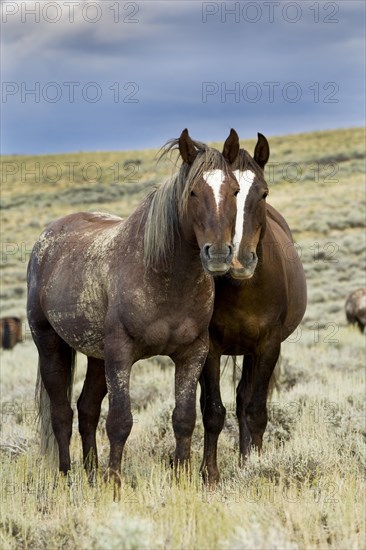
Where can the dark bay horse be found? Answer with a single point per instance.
(122, 290)
(257, 306)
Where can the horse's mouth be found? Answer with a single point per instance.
(217, 269)
(240, 272)
(216, 260)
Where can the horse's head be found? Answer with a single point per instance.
(210, 205)
(251, 204)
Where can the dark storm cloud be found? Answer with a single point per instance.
(171, 69)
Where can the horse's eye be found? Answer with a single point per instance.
(265, 195)
(236, 193)
(193, 194)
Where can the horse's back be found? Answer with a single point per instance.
(67, 236)
(82, 222)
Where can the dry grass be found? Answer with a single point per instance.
(305, 491)
(307, 488)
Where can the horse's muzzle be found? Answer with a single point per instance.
(217, 260)
(244, 268)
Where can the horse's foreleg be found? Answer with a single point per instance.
(118, 363)
(213, 414)
(188, 367)
(89, 404)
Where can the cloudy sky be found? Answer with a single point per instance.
(109, 75)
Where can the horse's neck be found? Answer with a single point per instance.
(136, 221)
(185, 258)
(275, 247)
(275, 218)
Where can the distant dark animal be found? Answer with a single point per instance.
(257, 306)
(356, 308)
(11, 332)
(122, 290)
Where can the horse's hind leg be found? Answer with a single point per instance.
(56, 361)
(256, 411)
(252, 396)
(89, 404)
(243, 395)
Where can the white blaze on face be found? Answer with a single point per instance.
(215, 179)
(245, 180)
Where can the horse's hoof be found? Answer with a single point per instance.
(210, 479)
(112, 476)
(182, 469)
(243, 459)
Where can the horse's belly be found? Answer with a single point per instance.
(73, 300)
(77, 331)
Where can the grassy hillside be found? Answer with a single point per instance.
(307, 489)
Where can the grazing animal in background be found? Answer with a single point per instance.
(11, 332)
(257, 306)
(123, 290)
(356, 308)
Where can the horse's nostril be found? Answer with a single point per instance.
(230, 251)
(219, 254)
(206, 250)
(250, 258)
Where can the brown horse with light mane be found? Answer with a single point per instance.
(251, 316)
(122, 290)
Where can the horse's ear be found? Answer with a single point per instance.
(231, 147)
(187, 150)
(261, 151)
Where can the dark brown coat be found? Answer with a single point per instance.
(256, 308)
(122, 290)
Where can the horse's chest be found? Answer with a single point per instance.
(165, 334)
(240, 319)
(166, 319)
